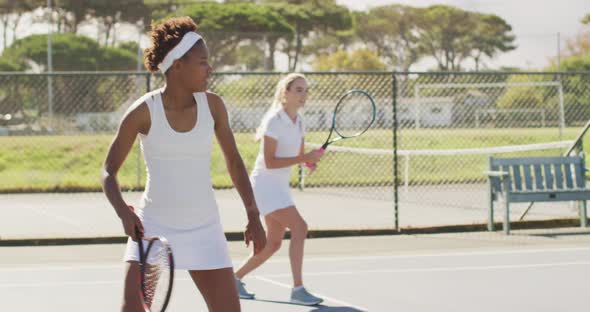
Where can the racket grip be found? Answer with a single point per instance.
(311, 166)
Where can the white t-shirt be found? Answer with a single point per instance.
(289, 136)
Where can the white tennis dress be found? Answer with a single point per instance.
(178, 202)
(271, 186)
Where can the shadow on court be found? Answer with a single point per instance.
(334, 309)
(316, 308)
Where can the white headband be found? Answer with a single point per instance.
(188, 40)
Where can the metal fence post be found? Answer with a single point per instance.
(395, 162)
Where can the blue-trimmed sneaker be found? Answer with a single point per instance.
(242, 292)
(302, 296)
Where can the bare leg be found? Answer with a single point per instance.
(291, 218)
(218, 289)
(131, 299)
(274, 236)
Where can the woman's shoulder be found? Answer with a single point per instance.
(139, 111)
(274, 119)
(215, 102)
(141, 104)
(213, 98)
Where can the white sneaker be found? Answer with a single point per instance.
(302, 296)
(242, 292)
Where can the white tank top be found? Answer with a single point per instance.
(178, 192)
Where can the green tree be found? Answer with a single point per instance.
(391, 31)
(358, 60)
(131, 46)
(490, 36)
(443, 35)
(11, 13)
(110, 13)
(524, 96)
(67, 14)
(251, 56)
(579, 62)
(7, 65)
(231, 25)
(451, 35)
(321, 44)
(310, 18)
(577, 46)
(71, 52)
(11, 87)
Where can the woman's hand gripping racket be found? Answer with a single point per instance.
(354, 114)
(156, 264)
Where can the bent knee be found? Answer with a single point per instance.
(273, 246)
(300, 229)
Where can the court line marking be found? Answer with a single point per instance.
(74, 283)
(266, 277)
(73, 266)
(443, 254)
(445, 269)
(326, 298)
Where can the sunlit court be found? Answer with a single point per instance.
(527, 271)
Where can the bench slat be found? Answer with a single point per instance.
(569, 182)
(507, 169)
(538, 177)
(548, 177)
(579, 176)
(536, 160)
(558, 176)
(517, 177)
(496, 184)
(528, 177)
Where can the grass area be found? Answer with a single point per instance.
(72, 163)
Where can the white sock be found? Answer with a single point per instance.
(297, 288)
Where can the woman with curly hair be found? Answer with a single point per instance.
(175, 125)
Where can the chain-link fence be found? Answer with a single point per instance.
(449, 124)
(57, 128)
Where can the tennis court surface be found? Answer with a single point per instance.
(531, 270)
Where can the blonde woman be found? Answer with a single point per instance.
(281, 133)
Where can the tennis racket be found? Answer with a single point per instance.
(353, 115)
(156, 265)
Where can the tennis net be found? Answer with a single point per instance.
(435, 186)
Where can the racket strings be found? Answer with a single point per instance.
(157, 277)
(354, 115)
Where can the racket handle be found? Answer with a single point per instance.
(311, 166)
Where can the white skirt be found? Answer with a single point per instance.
(201, 248)
(272, 192)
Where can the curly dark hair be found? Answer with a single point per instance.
(164, 36)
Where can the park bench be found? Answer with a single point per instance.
(536, 179)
